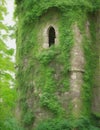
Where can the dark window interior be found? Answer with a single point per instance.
(51, 35)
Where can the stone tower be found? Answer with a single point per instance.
(58, 59)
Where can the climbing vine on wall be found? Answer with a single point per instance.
(36, 72)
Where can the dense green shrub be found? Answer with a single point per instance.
(10, 124)
(28, 118)
(80, 124)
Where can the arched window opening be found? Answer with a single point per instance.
(51, 36)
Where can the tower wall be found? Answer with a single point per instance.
(54, 82)
(96, 89)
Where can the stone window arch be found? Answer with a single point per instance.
(50, 36)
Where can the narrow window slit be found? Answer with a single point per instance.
(51, 36)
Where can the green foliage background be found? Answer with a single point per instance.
(7, 90)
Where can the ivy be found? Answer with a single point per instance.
(37, 68)
(63, 124)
